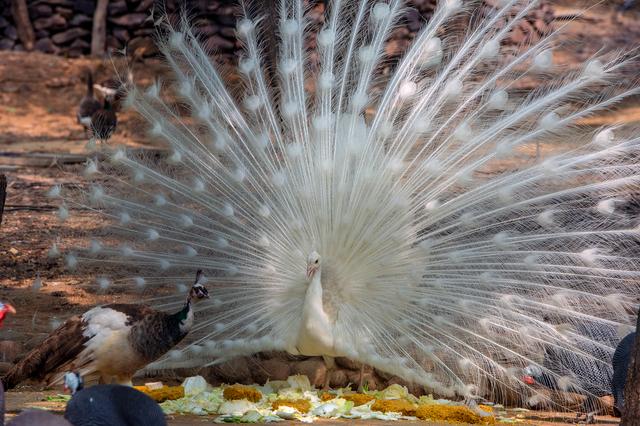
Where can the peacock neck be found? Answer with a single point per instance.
(184, 318)
(313, 298)
(315, 336)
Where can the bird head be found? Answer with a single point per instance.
(313, 264)
(198, 290)
(73, 382)
(531, 375)
(5, 309)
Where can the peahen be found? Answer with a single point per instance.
(436, 246)
(108, 343)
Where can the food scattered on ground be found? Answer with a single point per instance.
(164, 393)
(235, 392)
(453, 413)
(394, 406)
(296, 399)
(358, 399)
(301, 405)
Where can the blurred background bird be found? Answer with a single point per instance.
(104, 122)
(88, 104)
(5, 309)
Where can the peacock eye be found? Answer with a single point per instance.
(316, 262)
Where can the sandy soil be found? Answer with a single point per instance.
(38, 132)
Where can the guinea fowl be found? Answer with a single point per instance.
(30, 417)
(108, 343)
(620, 362)
(567, 371)
(104, 122)
(88, 105)
(109, 405)
(444, 241)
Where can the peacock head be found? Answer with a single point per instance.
(532, 374)
(198, 290)
(313, 264)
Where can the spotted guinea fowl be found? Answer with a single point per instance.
(88, 105)
(104, 122)
(112, 405)
(108, 343)
(620, 362)
(566, 371)
(31, 417)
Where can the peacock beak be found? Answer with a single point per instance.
(311, 270)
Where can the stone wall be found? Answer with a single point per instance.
(63, 27)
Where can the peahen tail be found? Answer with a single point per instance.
(55, 351)
(452, 255)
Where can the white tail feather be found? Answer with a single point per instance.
(449, 254)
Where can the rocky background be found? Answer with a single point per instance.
(63, 27)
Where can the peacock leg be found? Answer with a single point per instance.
(331, 365)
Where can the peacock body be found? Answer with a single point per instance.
(448, 254)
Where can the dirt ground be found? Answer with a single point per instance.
(41, 145)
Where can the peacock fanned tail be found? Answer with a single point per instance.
(452, 254)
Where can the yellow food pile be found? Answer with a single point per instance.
(235, 392)
(434, 412)
(394, 406)
(453, 413)
(358, 398)
(302, 405)
(163, 394)
(326, 396)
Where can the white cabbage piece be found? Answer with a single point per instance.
(194, 385)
